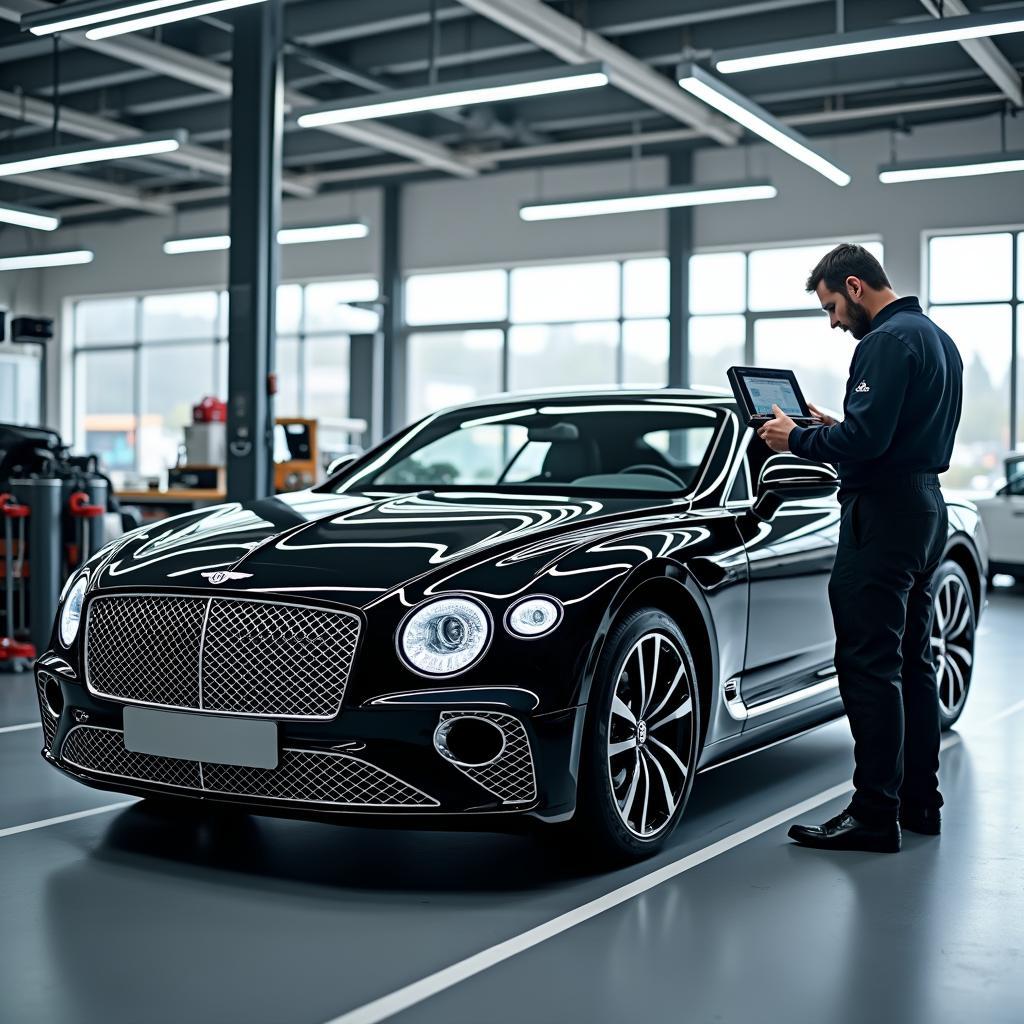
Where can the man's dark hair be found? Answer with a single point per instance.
(847, 260)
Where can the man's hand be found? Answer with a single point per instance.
(822, 417)
(775, 433)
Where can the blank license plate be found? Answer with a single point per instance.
(220, 740)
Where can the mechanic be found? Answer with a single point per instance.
(901, 411)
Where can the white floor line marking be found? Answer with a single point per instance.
(19, 728)
(33, 825)
(1006, 712)
(418, 991)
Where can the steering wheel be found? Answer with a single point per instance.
(650, 468)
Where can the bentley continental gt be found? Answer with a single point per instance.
(547, 609)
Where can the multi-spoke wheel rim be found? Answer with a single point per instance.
(952, 641)
(650, 734)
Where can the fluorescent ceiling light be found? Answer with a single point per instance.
(119, 28)
(724, 98)
(951, 167)
(47, 259)
(28, 217)
(459, 94)
(286, 236)
(662, 199)
(73, 16)
(875, 40)
(73, 156)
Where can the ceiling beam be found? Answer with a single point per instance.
(216, 78)
(568, 40)
(121, 196)
(983, 52)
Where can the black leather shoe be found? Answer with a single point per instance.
(926, 820)
(845, 832)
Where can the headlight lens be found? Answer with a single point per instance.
(71, 613)
(534, 616)
(445, 636)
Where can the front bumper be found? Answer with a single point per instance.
(369, 763)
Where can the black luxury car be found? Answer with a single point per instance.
(553, 608)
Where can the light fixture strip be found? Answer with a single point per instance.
(493, 89)
(724, 98)
(952, 167)
(166, 17)
(663, 199)
(90, 14)
(28, 217)
(285, 236)
(852, 44)
(73, 156)
(50, 259)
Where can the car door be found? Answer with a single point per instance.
(790, 636)
(1003, 516)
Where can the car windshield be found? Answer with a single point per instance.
(598, 446)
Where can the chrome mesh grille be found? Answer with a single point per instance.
(49, 719)
(511, 776)
(230, 655)
(307, 776)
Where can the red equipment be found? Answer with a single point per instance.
(12, 647)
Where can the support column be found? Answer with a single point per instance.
(256, 84)
(392, 289)
(680, 248)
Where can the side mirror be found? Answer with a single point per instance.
(341, 461)
(786, 478)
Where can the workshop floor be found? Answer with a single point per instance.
(124, 915)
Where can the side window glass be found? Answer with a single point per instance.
(740, 490)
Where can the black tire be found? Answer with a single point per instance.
(953, 635)
(605, 832)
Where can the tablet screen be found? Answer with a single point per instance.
(768, 391)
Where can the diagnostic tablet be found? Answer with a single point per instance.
(758, 388)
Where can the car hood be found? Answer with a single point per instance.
(354, 549)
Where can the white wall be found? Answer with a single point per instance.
(455, 223)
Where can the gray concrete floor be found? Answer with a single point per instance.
(133, 916)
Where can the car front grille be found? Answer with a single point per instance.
(232, 655)
(304, 776)
(510, 777)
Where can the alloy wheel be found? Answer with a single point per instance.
(650, 734)
(952, 641)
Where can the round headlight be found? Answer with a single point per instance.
(445, 636)
(534, 616)
(71, 613)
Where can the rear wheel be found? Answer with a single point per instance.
(642, 739)
(953, 630)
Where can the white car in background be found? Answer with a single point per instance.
(1003, 516)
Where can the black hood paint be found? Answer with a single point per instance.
(355, 549)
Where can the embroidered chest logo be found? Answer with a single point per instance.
(862, 388)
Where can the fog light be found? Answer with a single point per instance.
(53, 697)
(469, 741)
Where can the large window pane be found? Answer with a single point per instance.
(970, 268)
(1020, 266)
(178, 316)
(562, 355)
(821, 357)
(718, 282)
(287, 402)
(473, 296)
(982, 333)
(575, 291)
(645, 287)
(327, 384)
(289, 308)
(327, 306)
(104, 407)
(448, 367)
(174, 378)
(102, 321)
(716, 343)
(777, 276)
(645, 353)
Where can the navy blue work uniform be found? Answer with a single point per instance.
(901, 412)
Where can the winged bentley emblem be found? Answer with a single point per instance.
(222, 576)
